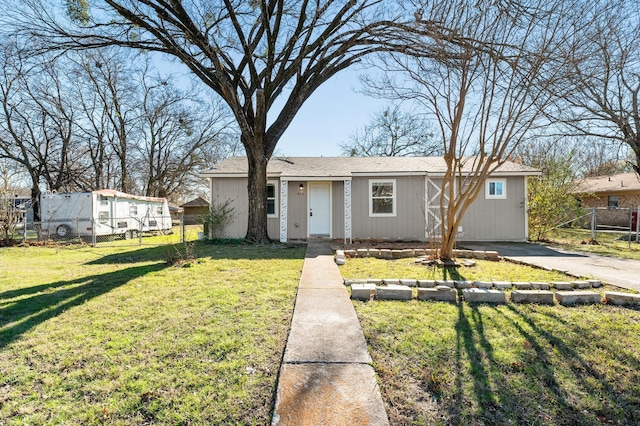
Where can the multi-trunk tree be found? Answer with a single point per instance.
(485, 95)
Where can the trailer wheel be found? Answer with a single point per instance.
(63, 231)
(126, 235)
(133, 234)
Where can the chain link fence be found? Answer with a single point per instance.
(110, 231)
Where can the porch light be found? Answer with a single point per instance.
(301, 190)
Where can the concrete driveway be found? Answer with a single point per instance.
(623, 273)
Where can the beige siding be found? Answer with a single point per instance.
(497, 220)
(337, 211)
(297, 215)
(234, 189)
(409, 220)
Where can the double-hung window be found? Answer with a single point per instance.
(382, 197)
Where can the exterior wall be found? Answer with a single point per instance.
(485, 220)
(409, 222)
(234, 189)
(612, 217)
(497, 219)
(297, 214)
(337, 203)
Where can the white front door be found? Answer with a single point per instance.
(320, 209)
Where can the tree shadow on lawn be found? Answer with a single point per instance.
(542, 398)
(50, 300)
(201, 250)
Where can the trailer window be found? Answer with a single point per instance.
(133, 210)
(104, 201)
(159, 210)
(103, 217)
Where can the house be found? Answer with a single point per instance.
(613, 196)
(395, 198)
(194, 210)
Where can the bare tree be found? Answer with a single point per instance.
(393, 133)
(37, 122)
(250, 53)
(486, 96)
(599, 97)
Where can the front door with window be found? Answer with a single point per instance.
(320, 209)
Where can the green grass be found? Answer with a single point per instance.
(113, 335)
(462, 364)
(608, 245)
(484, 270)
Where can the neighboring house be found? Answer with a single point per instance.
(394, 198)
(194, 210)
(616, 193)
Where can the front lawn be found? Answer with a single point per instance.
(463, 364)
(114, 335)
(608, 243)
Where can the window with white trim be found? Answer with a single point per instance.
(272, 200)
(496, 189)
(133, 210)
(382, 197)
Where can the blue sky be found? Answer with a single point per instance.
(333, 113)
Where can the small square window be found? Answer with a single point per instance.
(103, 217)
(133, 210)
(496, 189)
(612, 202)
(159, 211)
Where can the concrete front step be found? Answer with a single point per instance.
(622, 299)
(567, 298)
(542, 297)
(481, 295)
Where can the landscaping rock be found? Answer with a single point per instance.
(397, 254)
(355, 281)
(540, 285)
(483, 284)
(363, 252)
(595, 283)
(393, 292)
(561, 285)
(581, 284)
(622, 299)
(340, 261)
(447, 283)
(444, 288)
(444, 295)
(521, 285)
(374, 252)
(386, 254)
(491, 255)
(482, 295)
(532, 296)
(420, 252)
(463, 284)
(502, 285)
(374, 281)
(391, 281)
(568, 298)
(409, 283)
(426, 283)
(363, 291)
(468, 263)
(350, 253)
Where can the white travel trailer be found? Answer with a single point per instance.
(102, 213)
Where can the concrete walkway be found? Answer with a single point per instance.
(326, 376)
(624, 273)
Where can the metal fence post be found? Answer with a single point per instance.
(182, 229)
(93, 232)
(630, 226)
(637, 223)
(593, 223)
(24, 228)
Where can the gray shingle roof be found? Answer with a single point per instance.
(623, 182)
(316, 167)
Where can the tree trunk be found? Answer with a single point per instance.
(257, 192)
